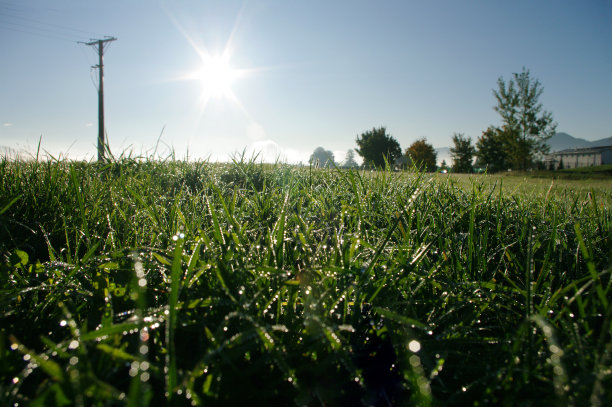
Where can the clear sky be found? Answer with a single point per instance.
(291, 75)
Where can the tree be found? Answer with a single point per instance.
(321, 158)
(462, 153)
(349, 161)
(492, 150)
(376, 146)
(422, 155)
(523, 118)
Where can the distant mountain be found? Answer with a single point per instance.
(563, 141)
(602, 143)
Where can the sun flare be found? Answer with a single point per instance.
(217, 76)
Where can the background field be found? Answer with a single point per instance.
(166, 282)
(537, 185)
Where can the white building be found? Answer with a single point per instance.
(581, 157)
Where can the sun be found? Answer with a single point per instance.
(216, 76)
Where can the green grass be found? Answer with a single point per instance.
(171, 283)
(536, 187)
(600, 172)
(603, 171)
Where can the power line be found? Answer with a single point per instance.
(12, 19)
(52, 25)
(38, 34)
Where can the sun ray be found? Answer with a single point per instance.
(216, 74)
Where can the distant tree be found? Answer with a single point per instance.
(349, 161)
(376, 146)
(443, 164)
(422, 155)
(523, 119)
(560, 167)
(462, 153)
(492, 150)
(321, 158)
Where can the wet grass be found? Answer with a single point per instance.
(151, 282)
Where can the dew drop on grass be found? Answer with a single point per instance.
(414, 345)
(14, 346)
(74, 360)
(73, 344)
(63, 322)
(26, 357)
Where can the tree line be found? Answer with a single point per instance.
(518, 143)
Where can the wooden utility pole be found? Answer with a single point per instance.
(99, 46)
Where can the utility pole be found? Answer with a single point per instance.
(99, 46)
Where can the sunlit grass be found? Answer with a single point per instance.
(156, 282)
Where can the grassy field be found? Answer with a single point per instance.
(172, 283)
(542, 186)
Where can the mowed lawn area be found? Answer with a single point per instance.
(557, 186)
(152, 282)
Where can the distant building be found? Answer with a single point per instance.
(580, 157)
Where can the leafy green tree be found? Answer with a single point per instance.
(422, 155)
(493, 150)
(349, 161)
(462, 153)
(528, 126)
(376, 146)
(321, 158)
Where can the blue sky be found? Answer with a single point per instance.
(312, 73)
